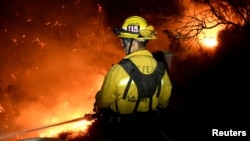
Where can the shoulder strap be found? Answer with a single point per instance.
(146, 84)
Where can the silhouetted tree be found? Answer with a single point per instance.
(230, 14)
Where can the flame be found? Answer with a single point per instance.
(76, 129)
(210, 41)
(53, 126)
(66, 109)
(208, 38)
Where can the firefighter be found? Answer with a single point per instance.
(135, 89)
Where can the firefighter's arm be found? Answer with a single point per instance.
(165, 91)
(106, 95)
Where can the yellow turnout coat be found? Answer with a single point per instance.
(115, 82)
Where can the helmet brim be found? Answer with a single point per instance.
(121, 33)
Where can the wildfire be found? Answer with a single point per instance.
(67, 117)
(72, 125)
(210, 41)
(75, 129)
(208, 38)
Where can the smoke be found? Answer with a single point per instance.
(54, 54)
(53, 59)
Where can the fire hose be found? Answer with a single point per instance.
(85, 117)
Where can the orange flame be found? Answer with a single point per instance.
(209, 37)
(61, 111)
(76, 129)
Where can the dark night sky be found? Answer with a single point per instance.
(208, 93)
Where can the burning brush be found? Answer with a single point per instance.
(86, 118)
